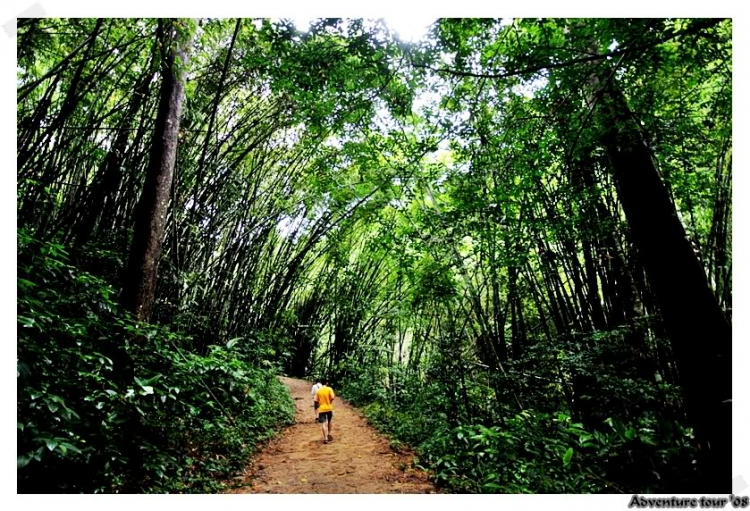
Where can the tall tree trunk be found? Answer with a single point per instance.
(148, 234)
(516, 314)
(700, 334)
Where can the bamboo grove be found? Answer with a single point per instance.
(510, 242)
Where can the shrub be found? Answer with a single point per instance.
(108, 405)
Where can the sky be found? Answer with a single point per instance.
(409, 28)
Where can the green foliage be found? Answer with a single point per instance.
(534, 452)
(499, 450)
(186, 419)
(529, 453)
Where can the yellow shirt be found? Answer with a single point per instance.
(324, 397)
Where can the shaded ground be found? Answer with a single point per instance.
(358, 460)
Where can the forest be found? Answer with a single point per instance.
(507, 243)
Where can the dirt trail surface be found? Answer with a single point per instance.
(358, 460)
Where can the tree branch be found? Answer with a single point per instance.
(695, 28)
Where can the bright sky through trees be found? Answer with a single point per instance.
(409, 28)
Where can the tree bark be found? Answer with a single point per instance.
(148, 234)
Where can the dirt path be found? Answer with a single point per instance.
(358, 460)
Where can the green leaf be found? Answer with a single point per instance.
(232, 342)
(51, 443)
(26, 322)
(568, 456)
(630, 433)
(145, 383)
(66, 446)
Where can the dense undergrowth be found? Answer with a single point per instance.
(501, 449)
(172, 421)
(180, 419)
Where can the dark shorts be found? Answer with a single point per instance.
(325, 416)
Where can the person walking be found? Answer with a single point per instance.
(312, 394)
(324, 400)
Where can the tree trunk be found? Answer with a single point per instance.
(700, 334)
(148, 234)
